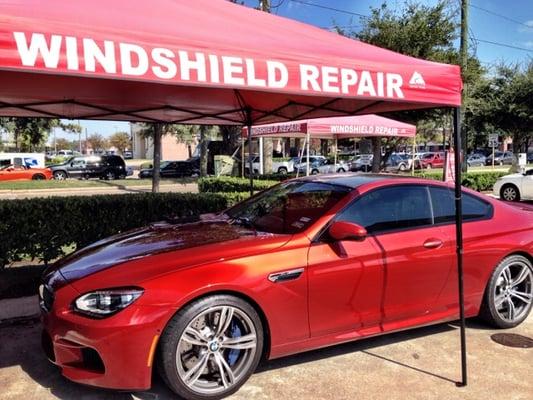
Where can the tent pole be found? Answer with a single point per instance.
(243, 143)
(307, 144)
(335, 156)
(261, 156)
(459, 237)
(250, 158)
(413, 162)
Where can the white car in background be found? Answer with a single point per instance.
(278, 167)
(515, 187)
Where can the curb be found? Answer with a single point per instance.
(19, 308)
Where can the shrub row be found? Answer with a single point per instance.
(479, 181)
(42, 228)
(231, 184)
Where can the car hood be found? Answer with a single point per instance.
(156, 239)
(512, 176)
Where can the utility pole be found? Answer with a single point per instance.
(268, 144)
(464, 63)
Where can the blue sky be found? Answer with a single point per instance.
(483, 25)
(513, 27)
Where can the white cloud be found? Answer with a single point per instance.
(527, 28)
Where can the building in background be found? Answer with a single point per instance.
(171, 148)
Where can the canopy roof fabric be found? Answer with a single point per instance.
(202, 61)
(336, 127)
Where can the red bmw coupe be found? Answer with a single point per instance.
(309, 263)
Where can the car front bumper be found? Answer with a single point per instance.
(116, 352)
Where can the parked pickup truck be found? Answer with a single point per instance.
(280, 167)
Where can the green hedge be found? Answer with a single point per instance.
(42, 228)
(480, 181)
(231, 184)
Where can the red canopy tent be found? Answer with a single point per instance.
(333, 128)
(205, 62)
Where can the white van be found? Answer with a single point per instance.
(31, 160)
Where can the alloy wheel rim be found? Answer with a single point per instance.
(509, 194)
(513, 292)
(216, 350)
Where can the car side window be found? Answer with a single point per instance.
(391, 208)
(443, 202)
(78, 162)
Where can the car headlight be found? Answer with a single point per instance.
(104, 303)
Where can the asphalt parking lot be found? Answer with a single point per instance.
(416, 364)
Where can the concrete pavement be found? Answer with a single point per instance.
(416, 364)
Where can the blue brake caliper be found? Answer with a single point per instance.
(233, 354)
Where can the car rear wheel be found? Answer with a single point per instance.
(314, 172)
(110, 175)
(429, 166)
(402, 167)
(282, 171)
(211, 347)
(341, 170)
(509, 293)
(510, 193)
(60, 175)
(38, 177)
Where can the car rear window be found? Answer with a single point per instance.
(443, 203)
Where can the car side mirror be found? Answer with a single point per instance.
(343, 230)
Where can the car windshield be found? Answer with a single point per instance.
(287, 208)
(164, 164)
(429, 155)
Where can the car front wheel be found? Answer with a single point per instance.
(60, 175)
(211, 347)
(510, 193)
(509, 293)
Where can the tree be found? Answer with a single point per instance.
(510, 102)
(416, 30)
(64, 144)
(120, 140)
(97, 142)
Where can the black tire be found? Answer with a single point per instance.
(429, 166)
(402, 167)
(60, 175)
(282, 171)
(38, 177)
(110, 175)
(315, 172)
(489, 311)
(341, 170)
(168, 345)
(509, 192)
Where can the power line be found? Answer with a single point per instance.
(472, 38)
(330, 8)
(500, 15)
(504, 45)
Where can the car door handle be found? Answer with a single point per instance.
(432, 243)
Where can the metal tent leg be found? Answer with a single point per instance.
(459, 238)
(250, 158)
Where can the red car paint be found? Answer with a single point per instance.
(22, 173)
(349, 289)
